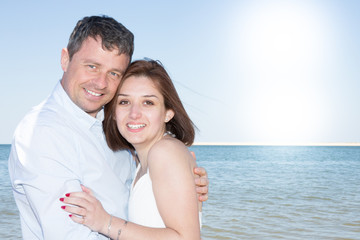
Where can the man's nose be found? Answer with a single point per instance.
(100, 81)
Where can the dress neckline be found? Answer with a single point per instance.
(134, 184)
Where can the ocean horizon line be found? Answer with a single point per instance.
(325, 144)
(335, 144)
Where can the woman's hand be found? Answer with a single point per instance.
(87, 210)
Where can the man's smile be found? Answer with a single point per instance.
(93, 93)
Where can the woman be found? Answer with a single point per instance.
(148, 118)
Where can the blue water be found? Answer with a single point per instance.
(9, 215)
(261, 192)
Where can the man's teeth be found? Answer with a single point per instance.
(137, 126)
(93, 93)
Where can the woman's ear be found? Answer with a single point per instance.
(169, 115)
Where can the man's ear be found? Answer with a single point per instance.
(65, 59)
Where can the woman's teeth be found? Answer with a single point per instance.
(136, 126)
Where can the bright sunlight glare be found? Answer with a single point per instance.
(282, 48)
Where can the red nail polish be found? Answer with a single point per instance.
(68, 194)
(61, 199)
(70, 215)
(63, 207)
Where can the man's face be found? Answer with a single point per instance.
(93, 75)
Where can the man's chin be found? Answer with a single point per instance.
(92, 113)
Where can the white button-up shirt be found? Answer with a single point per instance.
(57, 147)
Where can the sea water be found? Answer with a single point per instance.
(260, 192)
(9, 215)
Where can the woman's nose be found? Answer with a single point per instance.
(135, 111)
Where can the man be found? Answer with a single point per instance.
(60, 144)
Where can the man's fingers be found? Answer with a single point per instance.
(200, 171)
(193, 154)
(202, 190)
(202, 181)
(203, 198)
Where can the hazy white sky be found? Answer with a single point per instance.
(247, 71)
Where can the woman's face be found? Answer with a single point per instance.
(140, 112)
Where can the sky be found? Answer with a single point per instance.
(247, 71)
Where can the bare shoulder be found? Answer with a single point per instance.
(169, 151)
(168, 144)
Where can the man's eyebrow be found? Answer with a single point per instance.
(93, 62)
(121, 71)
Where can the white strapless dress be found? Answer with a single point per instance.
(142, 205)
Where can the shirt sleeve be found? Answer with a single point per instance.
(43, 168)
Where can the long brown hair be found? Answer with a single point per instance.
(180, 125)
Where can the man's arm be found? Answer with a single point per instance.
(42, 169)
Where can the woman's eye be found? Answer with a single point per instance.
(148, 103)
(124, 102)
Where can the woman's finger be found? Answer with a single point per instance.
(77, 219)
(80, 202)
(75, 210)
(78, 195)
(87, 190)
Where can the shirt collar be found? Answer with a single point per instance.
(84, 118)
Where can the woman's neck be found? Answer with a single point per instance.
(142, 149)
(142, 156)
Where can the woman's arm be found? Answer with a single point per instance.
(170, 168)
(171, 171)
(87, 210)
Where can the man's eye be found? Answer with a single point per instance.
(114, 75)
(92, 66)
